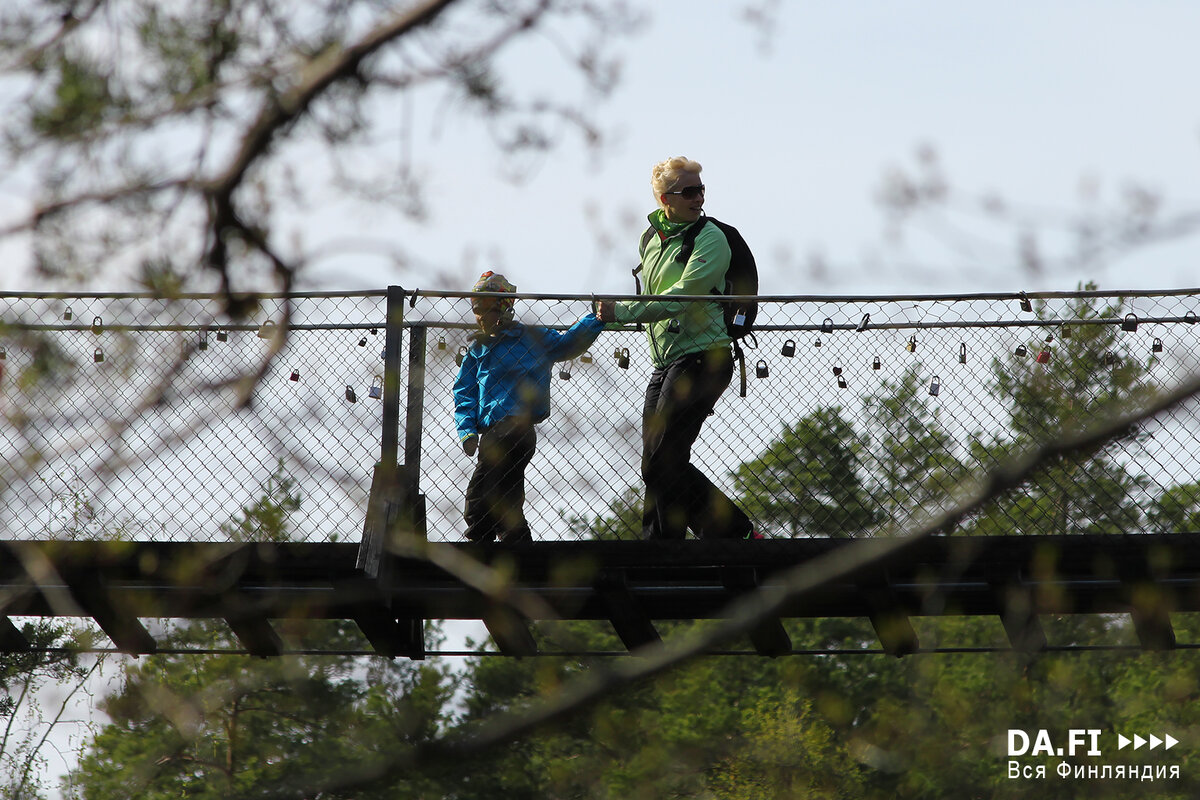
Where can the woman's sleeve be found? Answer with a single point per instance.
(703, 273)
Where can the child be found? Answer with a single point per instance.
(502, 391)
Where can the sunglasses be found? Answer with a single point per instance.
(689, 192)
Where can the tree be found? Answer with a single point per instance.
(1089, 373)
(175, 132)
(216, 726)
(808, 482)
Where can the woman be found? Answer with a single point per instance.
(693, 362)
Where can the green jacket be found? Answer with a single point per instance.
(700, 326)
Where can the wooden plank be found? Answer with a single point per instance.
(11, 638)
(91, 590)
(627, 616)
(256, 634)
(768, 636)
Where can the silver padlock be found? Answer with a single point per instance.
(460, 355)
(68, 315)
(202, 340)
(760, 369)
(376, 390)
(789, 348)
(935, 386)
(962, 353)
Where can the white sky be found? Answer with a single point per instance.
(1028, 100)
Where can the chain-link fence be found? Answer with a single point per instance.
(131, 416)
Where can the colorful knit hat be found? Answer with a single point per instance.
(495, 282)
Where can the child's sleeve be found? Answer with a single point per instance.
(564, 345)
(466, 397)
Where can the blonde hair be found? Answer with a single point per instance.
(665, 174)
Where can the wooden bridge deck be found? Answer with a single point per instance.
(631, 584)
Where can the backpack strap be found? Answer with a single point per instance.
(642, 252)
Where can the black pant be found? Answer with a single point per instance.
(678, 496)
(495, 505)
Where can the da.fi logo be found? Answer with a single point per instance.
(1043, 745)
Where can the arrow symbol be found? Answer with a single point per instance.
(1122, 742)
(1154, 741)
(1171, 742)
(1138, 741)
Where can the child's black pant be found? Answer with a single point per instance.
(495, 504)
(679, 496)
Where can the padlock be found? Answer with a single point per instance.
(623, 358)
(673, 326)
(350, 396)
(586, 358)
(1190, 318)
(1156, 346)
(266, 330)
(876, 364)
(376, 390)
(1025, 304)
(739, 318)
(67, 314)
(441, 345)
(1021, 351)
(817, 343)
(98, 355)
(564, 371)
(362, 342)
(827, 326)
(842, 382)
(97, 325)
(3, 353)
(911, 344)
(222, 335)
(460, 355)
(374, 331)
(935, 386)
(1130, 323)
(295, 376)
(760, 369)
(862, 325)
(789, 348)
(1043, 356)
(202, 340)
(962, 353)
(1064, 332)
(837, 370)
(1110, 358)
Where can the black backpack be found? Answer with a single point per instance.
(741, 279)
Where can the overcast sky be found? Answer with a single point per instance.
(1051, 105)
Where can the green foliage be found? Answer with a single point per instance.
(266, 519)
(808, 481)
(82, 101)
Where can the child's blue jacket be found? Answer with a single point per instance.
(509, 375)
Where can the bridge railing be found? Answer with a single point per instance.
(149, 418)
